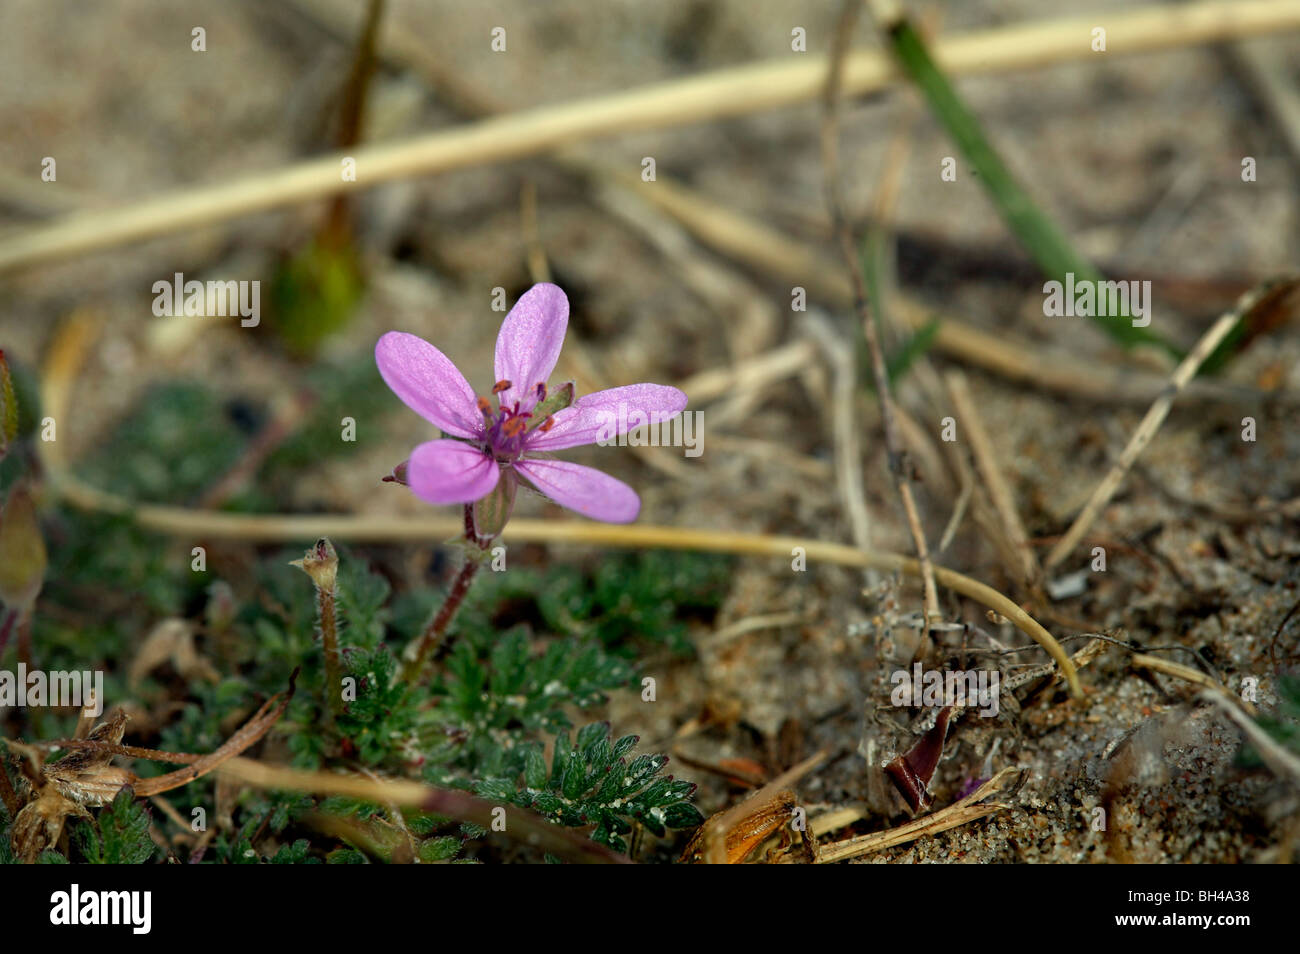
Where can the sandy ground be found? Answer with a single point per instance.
(1138, 158)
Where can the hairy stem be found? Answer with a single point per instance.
(433, 636)
(330, 646)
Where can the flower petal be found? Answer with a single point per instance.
(428, 383)
(449, 472)
(583, 490)
(529, 342)
(606, 414)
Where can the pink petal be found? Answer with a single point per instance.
(529, 342)
(583, 490)
(612, 412)
(449, 472)
(429, 384)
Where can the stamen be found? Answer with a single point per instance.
(484, 406)
(541, 391)
(547, 425)
(501, 386)
(513, 427)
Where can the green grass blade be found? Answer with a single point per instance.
(1046, 244)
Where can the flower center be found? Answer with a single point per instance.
(505, 427)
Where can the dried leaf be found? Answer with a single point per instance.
(172, 640)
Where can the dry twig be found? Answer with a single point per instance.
(525, 826)
(899, 466)
(844, 426)
(717, 95)
(968, 809)
(987, 461)
(1147, 429)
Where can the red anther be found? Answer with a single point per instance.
(484, 405)
(501, 386)
(546, 425)
(541, 391)
(513, 427)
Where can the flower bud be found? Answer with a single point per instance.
(398, 476)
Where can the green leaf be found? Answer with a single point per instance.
(592, 735)
(495, 789)
(625, 745)
(295, 854)
(119, 836)
(683, 815)
(535, 768)
(439, 849)
(346, 856)
(591, 785)
(918, 344)
(642, 769)
(362, 598)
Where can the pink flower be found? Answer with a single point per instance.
(490, 447)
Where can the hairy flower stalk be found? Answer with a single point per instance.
(434, 634)
(321, 563)
(493, 445)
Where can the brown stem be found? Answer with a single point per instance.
(337, 231)
(432, 637)
(249, 733)
(330, 647)
(25, 637)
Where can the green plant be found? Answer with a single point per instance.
(119, 835)
(532, 650)
(591, 782)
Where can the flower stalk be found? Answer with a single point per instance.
(321, 563)
(434, 635)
